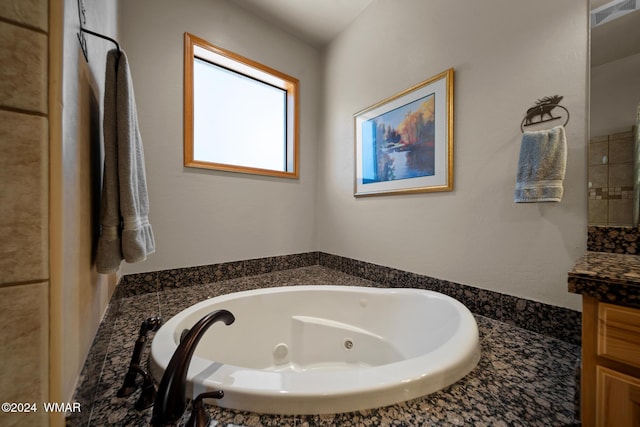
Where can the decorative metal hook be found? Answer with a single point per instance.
(82, 17)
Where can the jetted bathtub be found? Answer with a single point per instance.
(324, 349)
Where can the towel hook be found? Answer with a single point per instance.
(83, 41)
(543, 107)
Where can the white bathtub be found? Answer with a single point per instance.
(324, 349)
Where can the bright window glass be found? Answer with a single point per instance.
(240, 116)
(238, 120)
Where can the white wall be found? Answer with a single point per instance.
(615, 96)
(200, 216)
(506, 55)
(79, 295)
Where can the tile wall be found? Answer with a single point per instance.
(611, 179)
(24, 194)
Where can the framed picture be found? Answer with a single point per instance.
(404, 144)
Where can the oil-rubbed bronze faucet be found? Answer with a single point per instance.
(171, 399)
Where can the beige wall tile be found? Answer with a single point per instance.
(621, 175)
(597, 151)
(599, 176)
(28, 12)
(24, 322)
(596, 139)
(23, 197)
(615, 177)
(622, 135)
(24, 351)
(598, 211)
(23, 74)
(621, 151)
(621, 212)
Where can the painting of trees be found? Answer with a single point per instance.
(404, 141)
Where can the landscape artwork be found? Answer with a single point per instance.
(402, 142)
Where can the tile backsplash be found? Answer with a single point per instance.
(611, 170)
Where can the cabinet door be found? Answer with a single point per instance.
(618, 399)
(619, 333)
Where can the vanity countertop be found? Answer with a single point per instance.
(609, 277)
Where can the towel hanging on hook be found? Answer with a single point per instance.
(543, 107)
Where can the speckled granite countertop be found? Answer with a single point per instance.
(523, 378)
(609, 277)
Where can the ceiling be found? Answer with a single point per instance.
(616, 39)
(316, 22)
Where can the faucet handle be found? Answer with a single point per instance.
(148, 394)
(199, 416)
(152, 324)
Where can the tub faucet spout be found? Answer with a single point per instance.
(171, 399)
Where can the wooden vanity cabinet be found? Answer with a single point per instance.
(617, 398)
(610, 385)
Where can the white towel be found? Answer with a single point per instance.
(541, 167)
(125, 229)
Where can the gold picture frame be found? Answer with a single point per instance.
(404, 144)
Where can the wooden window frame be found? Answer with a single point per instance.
(240, 65)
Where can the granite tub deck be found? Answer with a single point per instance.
(523, 378)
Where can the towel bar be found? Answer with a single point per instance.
(543, 107)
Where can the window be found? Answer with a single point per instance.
(239, 115)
